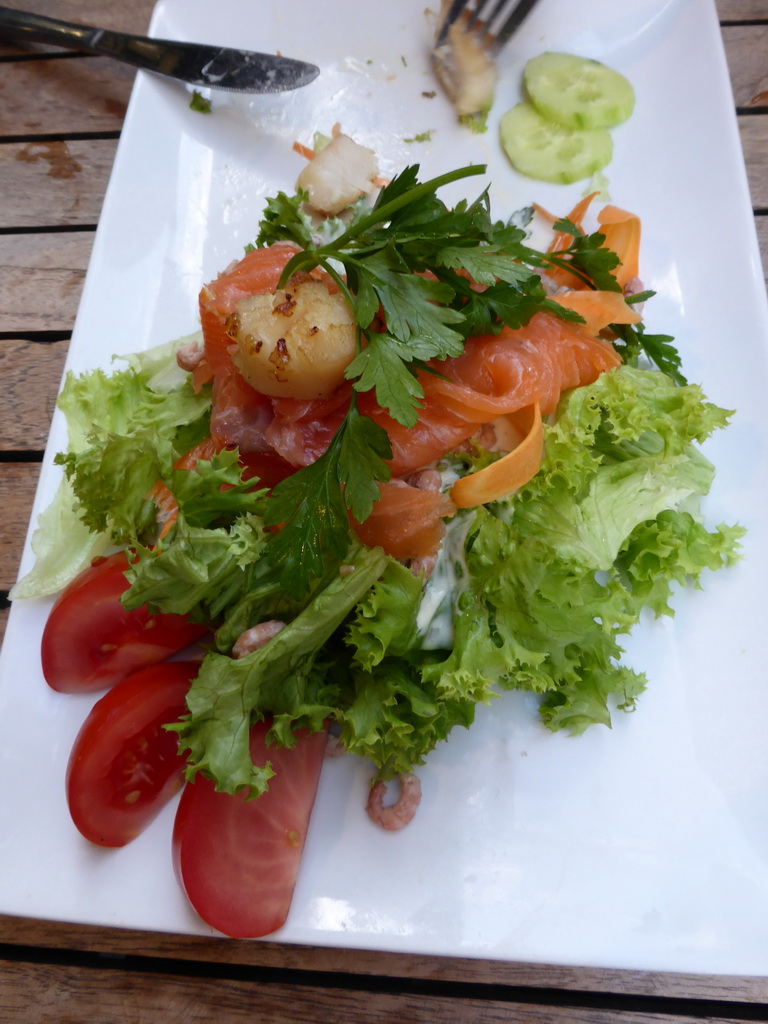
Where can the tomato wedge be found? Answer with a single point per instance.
(90, 641)
(124, 766)
(236, 859)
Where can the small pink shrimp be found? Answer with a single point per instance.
(423, 566)
(633, 287)
(189, 357)
(425, 480)
(334, 747)
(397, 815)
(255, 637)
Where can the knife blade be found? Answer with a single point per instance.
(215, 67)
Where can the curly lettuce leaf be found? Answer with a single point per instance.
(394, 718)
(63, 547)
(385, 619)
(204, 565)
(280, 679)
(123, 428)
(607, 528)
(196, 571)
(674, 548)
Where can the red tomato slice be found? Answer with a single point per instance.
(124, 767)
(237, 859)
(90, 641)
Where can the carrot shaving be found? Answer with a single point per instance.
(622, 236)
(336, 130)
(598, 308)
(305, 151)
(506, 474)
(544, 214)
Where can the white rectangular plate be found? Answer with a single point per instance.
(644, 846)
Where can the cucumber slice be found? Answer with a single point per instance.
(577, 92)
(543, 150)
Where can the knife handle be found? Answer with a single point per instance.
(36, 28)
(139, 51)
(202, 64)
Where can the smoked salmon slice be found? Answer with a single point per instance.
(406, 522)
(495, 376)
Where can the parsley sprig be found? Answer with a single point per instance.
(311, 506)
(588, 259)
(407, 267)
(414, 259)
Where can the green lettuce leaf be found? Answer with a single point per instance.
(124, 428)
(196, 571)
(674, 548)
(556, 574)
(394, 718)
(203, 566)
(63, 547)
(385, 619)
(280, 678)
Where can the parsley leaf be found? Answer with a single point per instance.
(199, 103)
(284, 221)
(380, 366)
(659, 348)
(309, 508)
(586, 257)
(415, 307)
(311, 505)
(364, 447)
(484, 264)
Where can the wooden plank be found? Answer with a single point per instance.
(742, 10)
(30, 372)
(41, 278)
(762, 238)
(133, 17)
(52, 993)
(274, 957)
(79, 94)
(18, 481)
(754, 140)
(746, 47)
(54, 184)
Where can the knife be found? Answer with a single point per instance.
(215, 67)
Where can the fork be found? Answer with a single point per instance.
(497, 28)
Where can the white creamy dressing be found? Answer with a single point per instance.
(434, 620)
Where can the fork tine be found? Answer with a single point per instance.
(496, 39)
(474, 16)
(479, 10)
(515, 19)
(454, 12)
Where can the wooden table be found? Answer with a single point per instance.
(60, 119)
